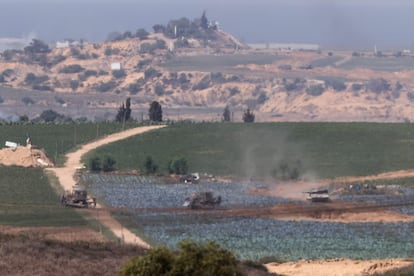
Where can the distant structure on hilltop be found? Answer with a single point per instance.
(12, 43)
(285, 46)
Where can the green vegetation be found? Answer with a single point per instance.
(192, 259)
(323, 149)
(57, 139)
(221, 63)
(380, 64)
(27, 199)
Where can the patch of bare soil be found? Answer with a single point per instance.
(24, 157)
(338, 267)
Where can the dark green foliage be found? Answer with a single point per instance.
(108, 163)
(150, 166)
(59, 100)
(288, 170)
(150, 48)
(42, 87)
(27, 100)
(95, 164)
(124, 112)
(155, 112)
(356, 87)
(204, 83)
(315, 90)
(108, 51)
(295, 85)
(119, 73)
(336, 84)
(106, 86)
(226, 114)
(378, 85)
(8, 73)
(37, 47)
(262, 98)
(87, 74)
(32, 79)
(248, 116)
(141, 34)
(157, 262)
(178, 166)
(74, 84)
(51, 116)
(135, 87)
(151, 73)
(207, 259)
(57, 59)
(71, 69)
(234, 91)
(204, 21)
(159, 90)
(142, 63)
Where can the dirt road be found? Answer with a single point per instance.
(66, 174)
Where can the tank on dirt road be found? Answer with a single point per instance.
(78, 198)
(202, 200)
(318, 195)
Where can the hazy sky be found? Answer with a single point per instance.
(330, 23)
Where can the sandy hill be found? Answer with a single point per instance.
(277, 84)
(24, 157)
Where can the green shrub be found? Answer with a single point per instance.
(151, 73)
(159, 90)
(27, 100)
(192, 259)
(106, 86)
(119, 73)
(108, 163)
(178, 166)
(150, 166)
(74, 84)
(95, 164)
(71, 69)
(315, 90)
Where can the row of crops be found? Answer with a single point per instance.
(250, 238)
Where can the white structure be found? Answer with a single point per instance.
(115, 66)
(62, 44)
(11, 144)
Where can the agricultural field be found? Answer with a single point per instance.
(316, 150)
(218, 63)
(391, 64)
(27, 199)
(57, 139)
(152, 209)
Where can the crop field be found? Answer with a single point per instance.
(57, 139)
(249, 237)
(380, 64)
(218, 63)
(326, 61)
(27, 199)
(319, 150)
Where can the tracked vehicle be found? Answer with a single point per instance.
(78, 198)
(202, 200)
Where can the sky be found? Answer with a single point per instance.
(356, 24)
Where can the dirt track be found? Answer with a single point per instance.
(66, 174)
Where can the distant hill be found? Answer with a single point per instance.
(195, 64)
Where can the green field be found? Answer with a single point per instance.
(217, 63)
(57, 139)
(380, 64)
(324, 150)
(27, 199)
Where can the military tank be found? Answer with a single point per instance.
(202, 200)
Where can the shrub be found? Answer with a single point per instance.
(74, 84)
(108, 163)
(42, 87)
(159, 90)
(356, 87)
(32, 79)
(248, 116)
(106, 86)
(150, 166)
(191, 259)
(27, 100)
(204, 83)
(95, 164)
(378, 85)
(51, 116)
(59, 100)
(2, 79)
(226, 114)
(142, 34)
(234, 91)
(336, 84)
(119, 73)
(71, 69)
(57, 59)
(151, 73)
(262, 98)
(108, 51)
(315, 90)
(142, 63)
(178, 166)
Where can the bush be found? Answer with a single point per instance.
(356, 87)
(119, 73)
(2, 79)
(27, 100)
(95, 164)
(192, 259)
(108, 163)
(32, 79)
(71, 69)
(108, 51)
(142, 63)
(315, 90)
(150, 166)
(142, 34)
(106, 86)
(248, 116)
(74, 84)
(234, 91)
(378, 85)
(178, 166)
(51, 116)
(151, 73)
(336, 84)
(159, 90)
(204, 83)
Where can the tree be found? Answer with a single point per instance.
(248, 116)
(108, 163)
(204, 21)
(37, 47)
(155, 112)
(150, 166)
(226, 114)
(142, 34)
(124, 112)
(191, 259)
(95, 164)
(178, 166)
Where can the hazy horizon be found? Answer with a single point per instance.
(331, 24)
